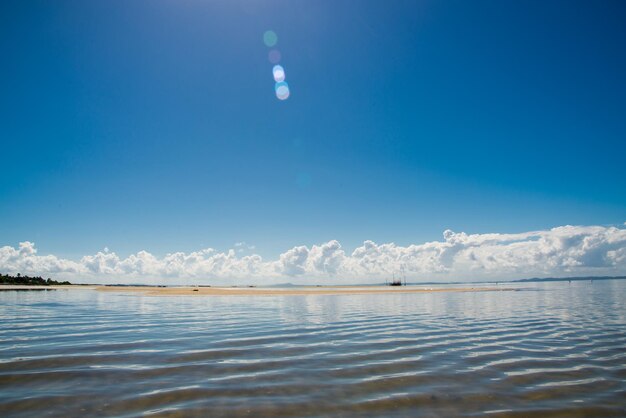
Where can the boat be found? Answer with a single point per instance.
(396, 282)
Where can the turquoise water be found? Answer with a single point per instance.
(553, 349)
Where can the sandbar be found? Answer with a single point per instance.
(259, 291)
(299, 291)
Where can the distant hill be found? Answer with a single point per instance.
(566, 279)
(282, 285)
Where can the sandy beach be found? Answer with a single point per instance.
(302, 291)
(258, 291)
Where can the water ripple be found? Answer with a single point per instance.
(557, 351)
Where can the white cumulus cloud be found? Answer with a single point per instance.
(561, 251)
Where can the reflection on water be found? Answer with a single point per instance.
(554, 349)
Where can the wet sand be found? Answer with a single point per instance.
(258, 291)
(301, 291)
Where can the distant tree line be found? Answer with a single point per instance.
(30, 281)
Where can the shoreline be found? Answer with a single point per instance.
(256, 291)
(303, 291)
(7, 287)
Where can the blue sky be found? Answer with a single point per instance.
(154, 125)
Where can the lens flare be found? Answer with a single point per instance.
(274, 56)
(270, 38)
(281, 84)
(282, 90)
(279, 73)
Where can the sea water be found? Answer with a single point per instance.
(545, 349)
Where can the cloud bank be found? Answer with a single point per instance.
(561, 251)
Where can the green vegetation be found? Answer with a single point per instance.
(29, 281)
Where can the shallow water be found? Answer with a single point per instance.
(554, 349)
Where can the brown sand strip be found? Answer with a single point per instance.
(301, 291)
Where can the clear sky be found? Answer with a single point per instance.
(153, 125)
